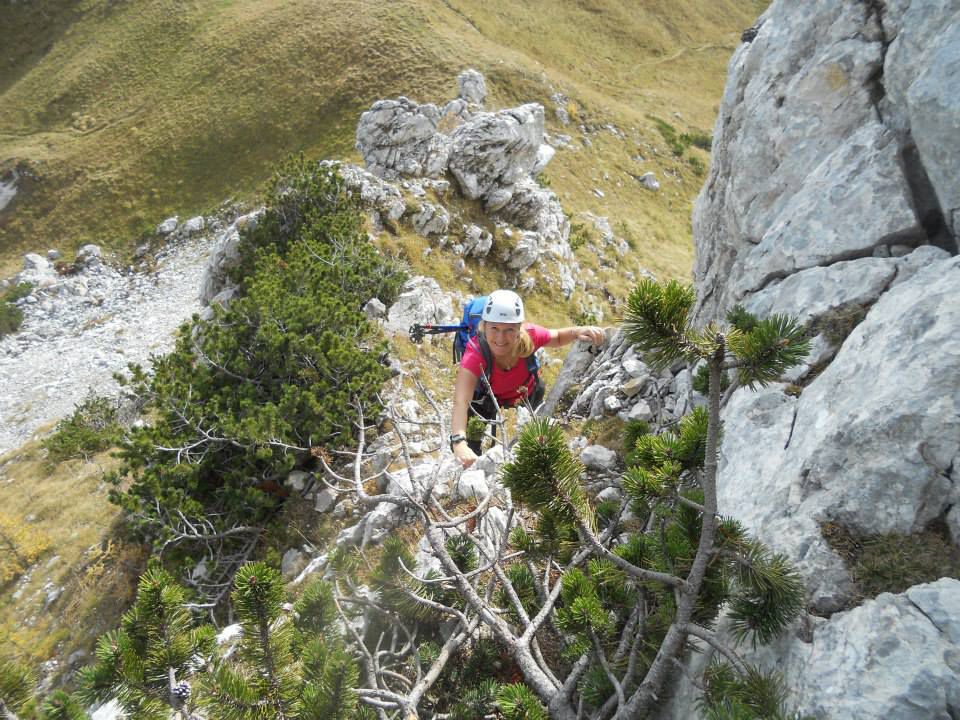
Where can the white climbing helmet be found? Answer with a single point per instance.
(503, 306)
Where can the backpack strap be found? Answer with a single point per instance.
(487, 365)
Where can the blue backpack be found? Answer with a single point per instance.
(466, 331)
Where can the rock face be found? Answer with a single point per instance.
(833, 196)
(893, 657)
(871, 443)
(834, 137)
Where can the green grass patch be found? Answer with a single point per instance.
(894, 562)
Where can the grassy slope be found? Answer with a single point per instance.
(126, 112)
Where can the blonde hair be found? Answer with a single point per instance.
(523, 347)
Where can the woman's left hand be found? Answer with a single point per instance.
(591, 334)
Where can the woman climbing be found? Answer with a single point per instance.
(503, 351)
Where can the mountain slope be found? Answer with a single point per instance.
(117, 114)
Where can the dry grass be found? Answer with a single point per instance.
(68, 510)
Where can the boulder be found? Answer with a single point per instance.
(649, 181)
(496, 150)
(194, 225)
(421, 301)
(168, 225)
(375, 309)
(473, 88)
(399, 138)
(32, 262)
(597, 457)
(472, 485)
(89, 255)
(325, 500)
(476, 241)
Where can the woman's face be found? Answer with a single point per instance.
(502, 338)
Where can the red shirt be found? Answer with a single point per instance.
(508, 385)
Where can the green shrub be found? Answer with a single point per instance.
(92, 428)
(698, 139)
(246, 397)
(11, 317)
(699, 168)
(579, 236)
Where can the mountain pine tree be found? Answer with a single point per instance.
(16, 686)
(285, 667)
(147, 663)
(247, 396)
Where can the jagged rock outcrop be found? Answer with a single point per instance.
(489, 156)
(420, 301)
(833, 196)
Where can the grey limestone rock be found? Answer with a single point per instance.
(421, 301)
(649, 181)
(374, 308)
(814, 292)
(895, 656)
(598, 457)
(532, 207)
(431, 220)
(868, 444)
(472, 485)
(168, 225)
(225, 256)
(374, 193)
(292, 563)
(495, 150)
(194, 225)
(473, 88)
(325, 500)
(854, 200)
(476, 241)
(399, 138)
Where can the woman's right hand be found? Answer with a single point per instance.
(465, 456)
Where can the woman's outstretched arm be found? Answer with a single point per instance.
(565, 336)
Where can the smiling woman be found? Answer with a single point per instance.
(502, 354)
